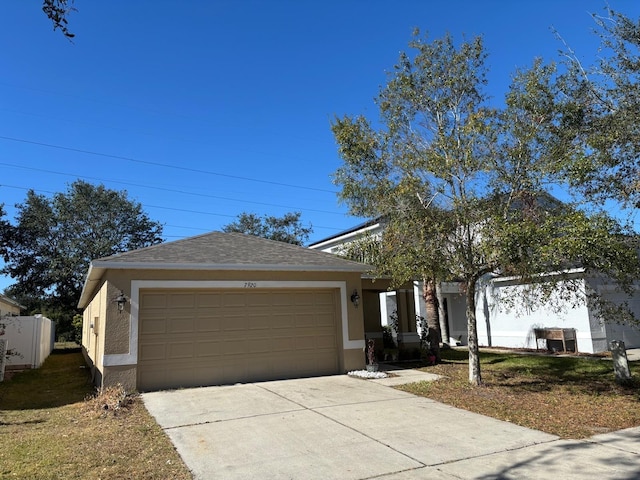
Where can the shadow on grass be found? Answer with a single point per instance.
(553, 459)
(543, 373)
(25, 422)
(62, 379)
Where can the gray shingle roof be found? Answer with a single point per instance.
(218, 250)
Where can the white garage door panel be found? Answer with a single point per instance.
(189, 338)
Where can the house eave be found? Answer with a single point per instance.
(97, 269)
(571, 271)
(12, 302)
(341, 237)
(227, 267)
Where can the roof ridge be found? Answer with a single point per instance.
(155, 245)
(227, 248)
(289, 245)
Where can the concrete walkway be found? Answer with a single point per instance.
(340, 427)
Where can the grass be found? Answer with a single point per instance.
(572, 397)
(53, 426)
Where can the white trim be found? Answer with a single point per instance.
(346, 267)
(570, 271)
(339, 239)
(131, 358)
(384, 314)
(417, 296)
(98, 267)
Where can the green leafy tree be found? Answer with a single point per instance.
(5, 229)
(601, 113)
(57, 11)
(463, 185)
(406, 250)
(48, 250)
(287, 228)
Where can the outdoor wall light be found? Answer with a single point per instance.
(355, 298)
(121, 300)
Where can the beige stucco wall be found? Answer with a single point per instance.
(125, 375)
(354, 359)
(7, 308)
(121, 278)
(371, 310)
(114, 327)
(93, 327)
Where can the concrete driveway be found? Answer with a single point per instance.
(345, 428)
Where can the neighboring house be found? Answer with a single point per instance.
(9, 307)
(221, 308)
(500, 325)
(497, 324)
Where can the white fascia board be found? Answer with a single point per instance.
(10, 301)
(571, 271)
(339, 240)
(230, 267)
(93, 277)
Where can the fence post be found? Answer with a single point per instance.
(620, 362)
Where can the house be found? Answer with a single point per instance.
(221, 308)
(500, 324)
(9, 307)
(406, 304)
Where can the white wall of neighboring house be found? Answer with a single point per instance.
(31, 340)
(456, 312)
(336, 244)
(501, 326)
(455, 307)
(613, 328)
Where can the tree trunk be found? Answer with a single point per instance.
(433, 325)
(475, 378)
(442, 315)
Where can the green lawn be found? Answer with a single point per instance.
(573, 397)
(52, 427)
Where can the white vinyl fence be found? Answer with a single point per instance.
(30, 340)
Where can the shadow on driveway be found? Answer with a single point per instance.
(346, 428)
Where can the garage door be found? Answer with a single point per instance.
(205, 337)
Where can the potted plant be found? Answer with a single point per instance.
(372, 366)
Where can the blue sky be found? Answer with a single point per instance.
(202, 110)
